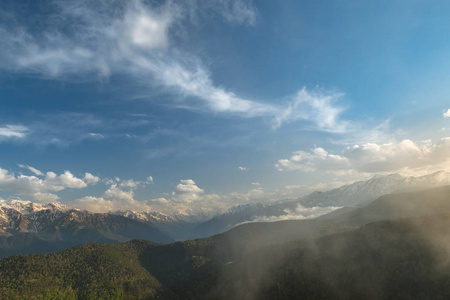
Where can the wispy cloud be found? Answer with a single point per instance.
(320, 108)
(138, 40)
(13, 131)
(34, 170)
(372, 158)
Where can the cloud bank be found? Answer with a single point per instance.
(371, 157)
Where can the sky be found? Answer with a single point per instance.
(195, 106)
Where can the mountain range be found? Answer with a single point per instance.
(394, 247)
(27, 227)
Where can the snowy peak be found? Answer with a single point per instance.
(28, 207)
(365, 191)
(146, 217)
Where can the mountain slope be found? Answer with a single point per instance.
(402, 259)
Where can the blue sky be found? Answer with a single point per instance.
(196, 106)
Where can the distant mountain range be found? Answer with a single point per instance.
(27, 227)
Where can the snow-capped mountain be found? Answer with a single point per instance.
(27, 207)
(26, 216)
(147, 217)
(355, 194)
(362, 192)
(27, 227)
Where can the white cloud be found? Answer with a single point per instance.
(189, 199)
(318, 158)
(115, 193)
(90, 179)
(188, 186)
(130, 183)
(13, 131)
(372, 158)
(318, 108)
(46, 197)
(118, 196)
(37, 187)
(243, 168)
(447, 114)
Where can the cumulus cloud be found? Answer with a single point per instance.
(130, 183)
(13, 131)
(447, 113)
(188, 186)
(137, 39)
(371, 158)
(243, 168)
(189, 199)
(118, 197)
(90, 179)
(37, 187)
